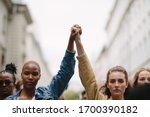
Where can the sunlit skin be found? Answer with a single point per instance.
(144, 77)
(6, 84)
(117, 85)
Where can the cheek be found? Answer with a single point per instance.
(124, 86)
(140, 81)
(110, 86)
(36, 80)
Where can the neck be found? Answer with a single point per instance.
(117, 97)
(27, 94)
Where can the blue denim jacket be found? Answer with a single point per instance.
(59, 82)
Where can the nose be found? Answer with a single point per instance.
(30, 77)
(116, 84)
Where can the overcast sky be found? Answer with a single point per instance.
(53, 20)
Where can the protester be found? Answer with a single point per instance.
(7, 80)
(19, 85)
(83, 95)
(117, 77)
(142, 76)
(31, 74)
(140, 92)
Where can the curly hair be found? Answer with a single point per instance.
(12, 69)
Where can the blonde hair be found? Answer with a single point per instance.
(136, 76)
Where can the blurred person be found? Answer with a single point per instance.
(142, 76)
(7, 81)
(31, 74)
(140, 92)
(102, 89)
(19, 85)
(117, 77)
(83, 95)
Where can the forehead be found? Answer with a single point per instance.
(144, 73)
(31, 66)
(5, 75)
(116, 75)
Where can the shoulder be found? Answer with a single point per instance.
(43, 93)
(13, 97)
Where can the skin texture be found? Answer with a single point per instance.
(117, 85)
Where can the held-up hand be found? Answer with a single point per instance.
(75, 30)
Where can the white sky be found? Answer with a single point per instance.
(53, 20)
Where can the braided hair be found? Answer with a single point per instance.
(11, 68)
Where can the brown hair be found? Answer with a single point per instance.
(136, 76)
(119, 69)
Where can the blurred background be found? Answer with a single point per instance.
(115, 32)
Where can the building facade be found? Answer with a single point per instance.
(15, 18)
(128, 31)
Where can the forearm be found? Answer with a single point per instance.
(80, 49)
(87, 77)
(65, 73)
(70, 46)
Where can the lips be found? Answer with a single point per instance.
(30, 83)
(117, 91)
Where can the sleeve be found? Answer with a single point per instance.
(61, 79)
(88, 79)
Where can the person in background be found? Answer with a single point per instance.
(19, 85)
(31, 74)
(117, 77)
(141, 85)
(142, 76)
(139, 92)
(7, 81)
(83, 95)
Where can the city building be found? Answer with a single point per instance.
(17, 44)
(128, 32)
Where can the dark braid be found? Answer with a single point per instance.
(11, 68)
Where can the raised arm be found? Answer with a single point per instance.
(61, 79)
(86, 73)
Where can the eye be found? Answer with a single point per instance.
(35, 74)
(142, 78)
(148, 79)
(26, 73)
(7, 82)
(112, 81)
(120, 80)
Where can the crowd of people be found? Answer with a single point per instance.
(116, 87)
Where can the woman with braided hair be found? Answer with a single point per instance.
(7, 81)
